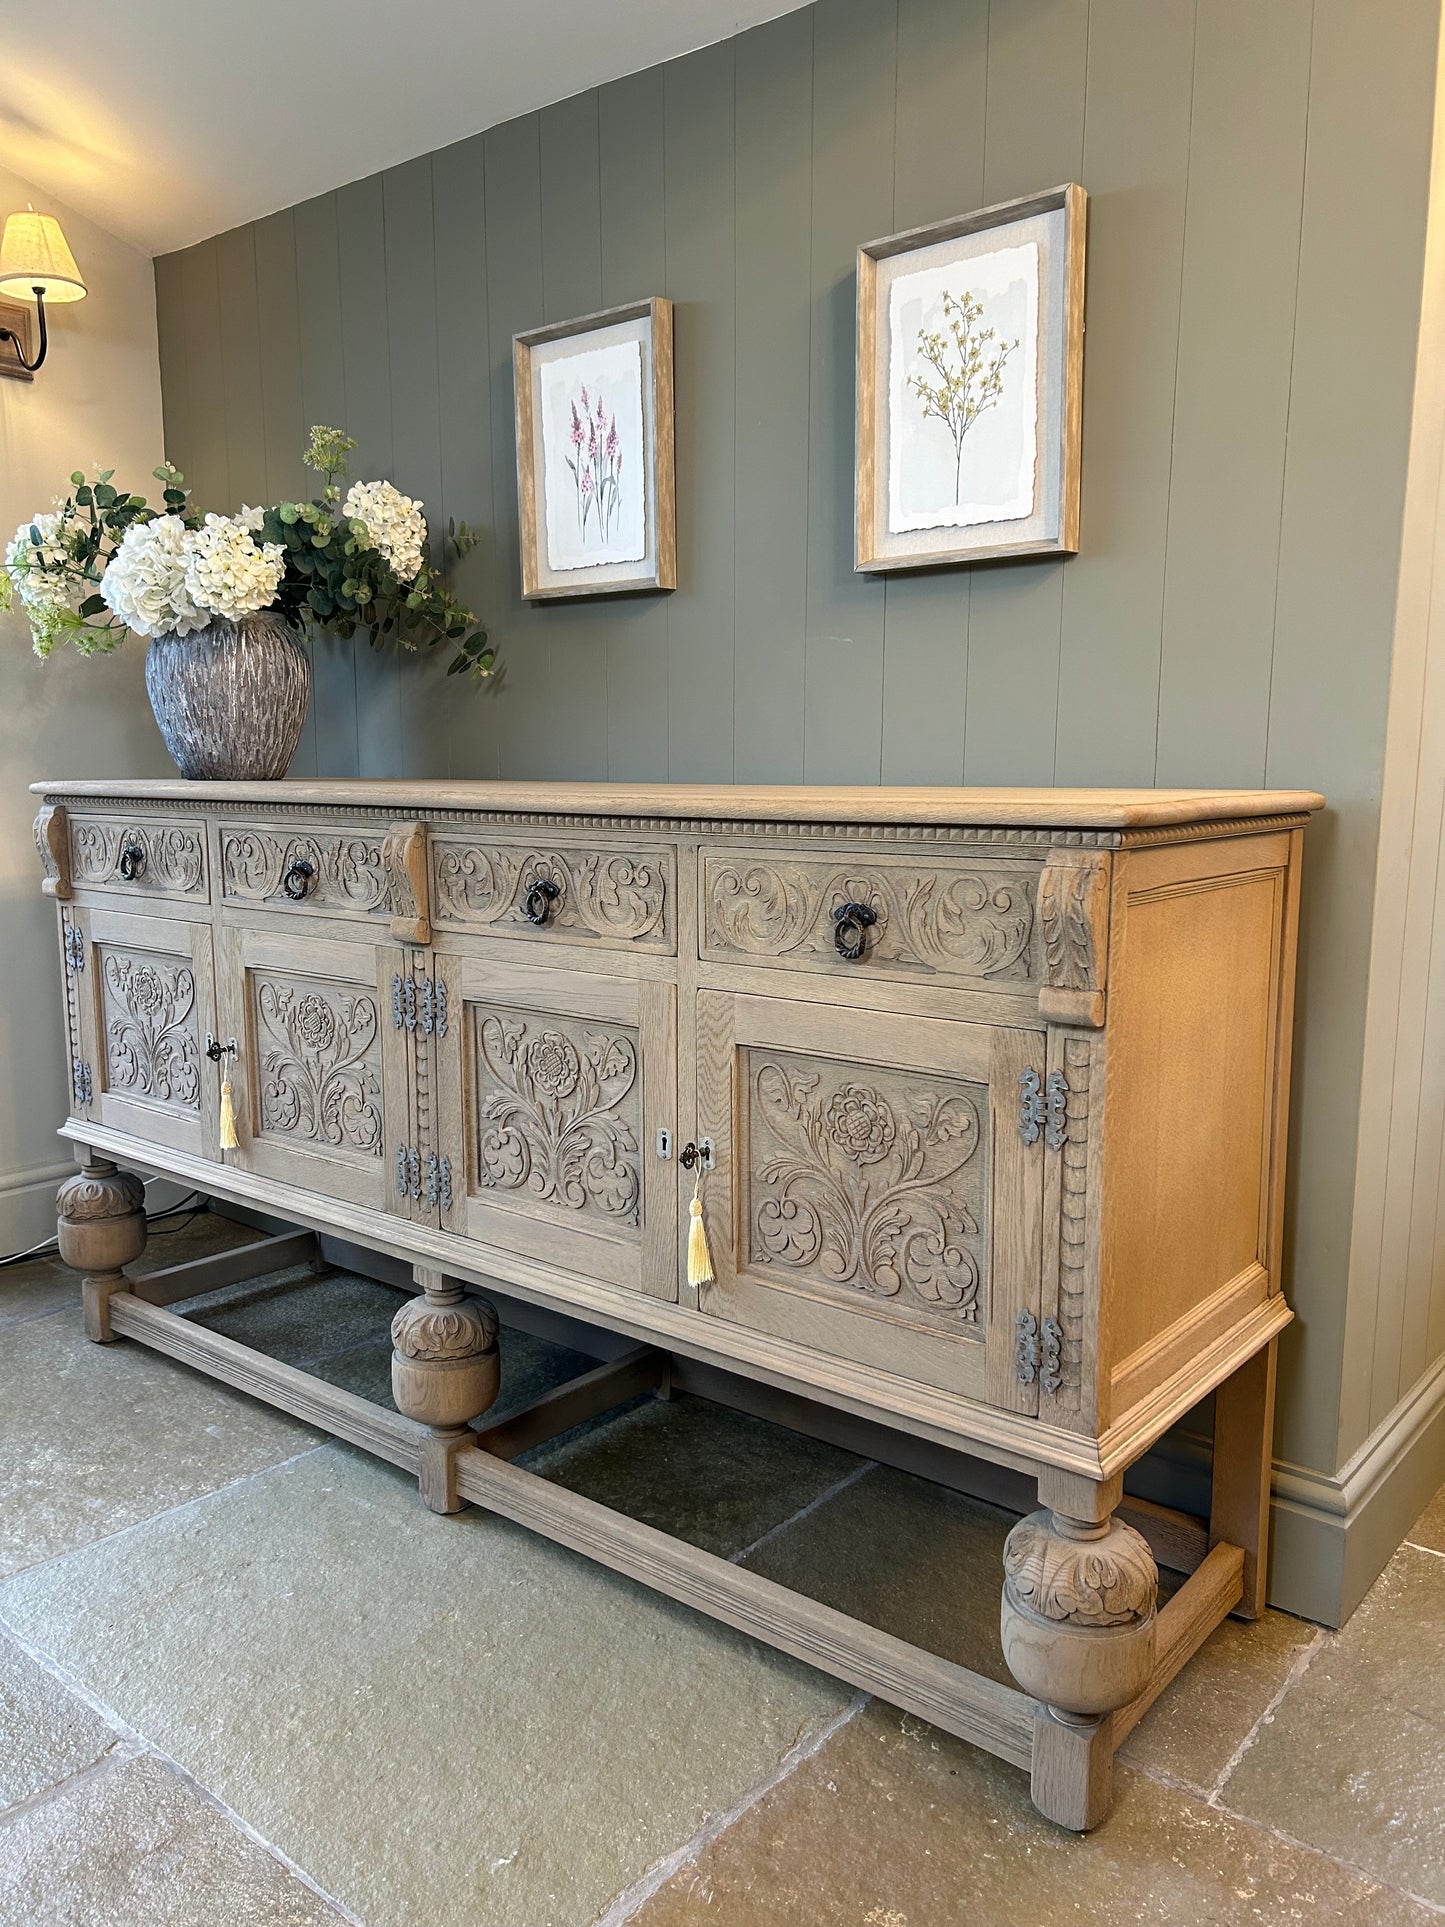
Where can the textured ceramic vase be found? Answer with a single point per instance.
(230, 699)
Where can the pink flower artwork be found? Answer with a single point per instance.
(597, 469)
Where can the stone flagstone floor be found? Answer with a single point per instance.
(246, 1680)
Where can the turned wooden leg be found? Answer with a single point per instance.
(1078, 1634)
(1243, 1460)
(445, 1370)
(100, 1226)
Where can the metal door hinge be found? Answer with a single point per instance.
(74, 948)
(1051, 1364)
(408, 1171)
(433, 1179)
(403, 1003)
(446, 1185)
(1043, 1108)
(81, 1082)
(1026, 1348)
(433, 1008)
(439, 1005)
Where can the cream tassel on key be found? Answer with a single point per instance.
(699, 1258)
(229, 1140)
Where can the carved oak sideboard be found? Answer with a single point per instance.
(984, 1094)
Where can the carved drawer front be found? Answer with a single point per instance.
(552, 1088)
(140, 1003)
(959, 919)
(620, 896)
(144, 856)
(304, 870)
(320, 1072)
(874, 1197)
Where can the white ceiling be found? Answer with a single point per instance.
(166, 121)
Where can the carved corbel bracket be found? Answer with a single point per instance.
(52, 840)
(404, 861)
(1074, 918)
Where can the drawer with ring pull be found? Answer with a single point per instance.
(617, 895)
(306, 868)
(969, 918)
(140, 856)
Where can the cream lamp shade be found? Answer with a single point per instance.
(35, 254)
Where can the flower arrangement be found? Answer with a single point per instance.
(104, 561)
(596, 464)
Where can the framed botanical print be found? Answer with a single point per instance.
(594, 453)
(970, 376)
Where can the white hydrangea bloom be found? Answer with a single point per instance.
(394, 523)
(226, 572)
(145, 580)
(45, 574)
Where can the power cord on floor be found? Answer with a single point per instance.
(192, 1205)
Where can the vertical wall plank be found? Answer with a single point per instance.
(323, 401)
(170, 272)
(854, 85)
(1236, 335)
(465, 402)
(415, 386)
(282, 430)
(634, 268)
(1136, 161)
(241, 359)
(366, 361)
(514, 304)
(206, 459)
(701, 616)
(1338, 571)
(938, 171)
(774, 340)
(572, 285)
(1035, 139)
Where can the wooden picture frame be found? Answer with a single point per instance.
(1026, 259)
(577, 505)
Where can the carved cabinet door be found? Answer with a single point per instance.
(552, 1087)
(873, 1197)
(319, 1077)
(140, 1000)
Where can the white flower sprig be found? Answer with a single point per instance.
(145, 580)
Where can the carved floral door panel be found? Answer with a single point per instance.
(141, 994)
(872, 1196)
(552, 1088)
(320, 1074)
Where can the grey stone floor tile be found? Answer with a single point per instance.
(97, 1437)
(1204, 1716)
(46, 1733)
(717, 1478)
(446, 1722)
(893, 1824)
(1353, 1760)
(132, 1845)
(299, 1315)
(1429, 1529)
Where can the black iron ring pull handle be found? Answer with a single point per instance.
(540, 898)
(850, 922)
(297, 880)
(132, 861)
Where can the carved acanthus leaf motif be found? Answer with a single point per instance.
(109, 1194)
(865, 1194)
(1071, 906)
(616, 895)
(976, 923)
(1106, 1580)
(52, 840)
(174, 854)
(320, 1064)
(347, 869)
(551, 1121)
(425, 1330)
(151, 1047)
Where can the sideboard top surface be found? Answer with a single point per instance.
(1098, 809)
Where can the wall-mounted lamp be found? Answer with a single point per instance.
(35, 264)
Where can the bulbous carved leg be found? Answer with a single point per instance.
(445, 1370)
(100, 1226)
(1077, 1626)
